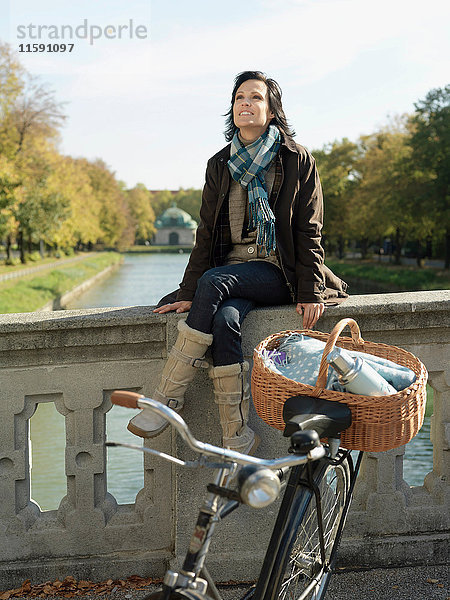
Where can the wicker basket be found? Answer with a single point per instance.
(378, 423)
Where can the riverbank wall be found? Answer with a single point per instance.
(75, 359)
(60, 302)
(51, 286)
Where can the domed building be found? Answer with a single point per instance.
(175, 227)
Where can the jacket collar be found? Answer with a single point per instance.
(289, 143)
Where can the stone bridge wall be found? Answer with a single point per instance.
(76, 358)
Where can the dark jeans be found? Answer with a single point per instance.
(224, 297)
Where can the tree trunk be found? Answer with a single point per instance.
(21, 248)
(419, 257)
(380, 248)
(447, 248)
(364, 247)
(398, 247)
(41, 248)
(8, 248)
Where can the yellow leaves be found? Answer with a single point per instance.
(138, 200)
(48, 197)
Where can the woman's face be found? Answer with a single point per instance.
(251, 111)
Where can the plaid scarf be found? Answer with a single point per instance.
(248, 166)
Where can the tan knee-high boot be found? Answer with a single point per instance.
(232, 394)
(186, 355)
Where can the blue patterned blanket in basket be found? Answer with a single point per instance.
(298, 358)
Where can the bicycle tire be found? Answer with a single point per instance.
(299, 563)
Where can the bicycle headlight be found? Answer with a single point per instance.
(258, 486)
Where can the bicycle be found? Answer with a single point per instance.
(318, 480)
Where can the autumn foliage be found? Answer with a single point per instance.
(70, 587)
(391, 184)
(51, 199)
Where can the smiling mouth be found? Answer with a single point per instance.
(245, 113)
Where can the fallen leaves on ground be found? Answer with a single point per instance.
(436, 582)
(70, 587)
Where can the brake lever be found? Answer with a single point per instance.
(192, 464)
(168, 457)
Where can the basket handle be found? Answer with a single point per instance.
(337, 329)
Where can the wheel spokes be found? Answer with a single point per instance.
(305, 561)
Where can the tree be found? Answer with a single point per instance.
(41, 206)
(430, 144)
(141, 211)
(9, 182)
(36, 113)
(11, 85)
(81, 226)
(382, 203)
(336, 164)
(30, 119)
(115, 220)
(160, 201)
(190, 200)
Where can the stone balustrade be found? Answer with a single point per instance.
(76, 358)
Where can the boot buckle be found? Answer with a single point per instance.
(195, 362)
(200, 363)
(172, 403)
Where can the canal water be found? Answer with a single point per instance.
(141, 281)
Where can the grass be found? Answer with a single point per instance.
(396, 278)
(30, 263)
(31, 293)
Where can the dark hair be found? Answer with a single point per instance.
(275, 105)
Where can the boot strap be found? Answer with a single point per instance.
(170, 402)
(228, 398)
(195, 362)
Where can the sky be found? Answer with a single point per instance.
(151, 105)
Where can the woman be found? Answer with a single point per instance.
(258, 243)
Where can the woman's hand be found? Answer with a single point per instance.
(311, 313)
(179, 307)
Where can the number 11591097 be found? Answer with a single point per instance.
(46, 47)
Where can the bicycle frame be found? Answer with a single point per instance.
(305, 473)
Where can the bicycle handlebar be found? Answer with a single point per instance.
(127, 399)
(134, 400)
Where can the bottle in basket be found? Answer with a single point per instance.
(357, 376)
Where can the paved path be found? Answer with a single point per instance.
(407, 583)
(52, 265)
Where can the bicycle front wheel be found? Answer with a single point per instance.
(306, 566)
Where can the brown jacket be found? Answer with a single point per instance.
(298, 209)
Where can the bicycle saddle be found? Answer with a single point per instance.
(327, 417)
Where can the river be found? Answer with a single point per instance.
(141, 281)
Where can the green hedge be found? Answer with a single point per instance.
(398, 278)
